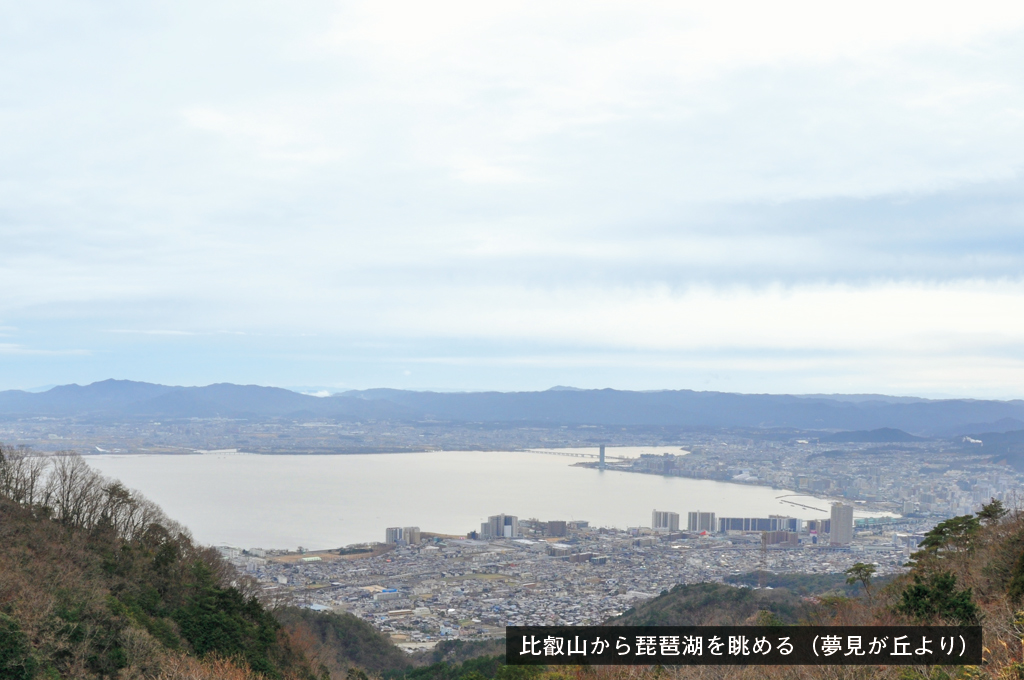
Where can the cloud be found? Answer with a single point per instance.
(21, 350)
(150, 332)
(628, 182)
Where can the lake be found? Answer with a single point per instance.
(284, 501)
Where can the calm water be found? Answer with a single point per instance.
(330, 501)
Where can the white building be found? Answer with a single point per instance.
(500, 526)
(701, 521)
(664, 522)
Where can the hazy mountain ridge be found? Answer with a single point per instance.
(687, 408)
(129, 399)
(881, 435)
(677, 408)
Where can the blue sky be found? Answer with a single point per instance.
(755, 197)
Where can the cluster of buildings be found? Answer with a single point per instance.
(402, 535)
(780, 529)
(421, 588)
(933, 478)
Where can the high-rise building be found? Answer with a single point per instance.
(394, 535)
(556, 528)
(818, 526)
(842, 525)
(500, 526)
(772, 523)
(411, 535)
(701, 521)
(662, 521)
(601, 463)
(789, 538)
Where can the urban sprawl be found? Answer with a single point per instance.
(422, 587)
(852, 502)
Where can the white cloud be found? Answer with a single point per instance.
(629, 181)
(21, 350)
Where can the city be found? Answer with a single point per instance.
(421, 588)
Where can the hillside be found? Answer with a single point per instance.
(95, 582)
(126, 399)
(881, 435)
(1004, 447)
(715, 604)
(339, 642)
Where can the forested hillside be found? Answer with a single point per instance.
(96, 582)
(716, 604)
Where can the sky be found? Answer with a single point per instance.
(786, 197)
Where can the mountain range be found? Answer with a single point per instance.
(124, 399)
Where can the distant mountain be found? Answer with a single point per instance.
(998, 426)
(128, 399)
(668, 408)
(686, 408)
(859, 398)
(1004, 447)
(882, 434)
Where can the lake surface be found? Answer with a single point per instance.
(282, 501)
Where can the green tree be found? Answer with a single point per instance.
(937, 598)
(16, 662)
(954, 534)
(861, 573)
(992, 512)
(221, 620)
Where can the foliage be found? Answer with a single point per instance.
(705, 604)
(221, 620)
(16, 661)
(457, 651)
(952, 534)
(800, 584)
(992, 512)
(1015, 588)
(935, 598)
(479, 668)
(341, 640)
(861, 573)
(99, 583)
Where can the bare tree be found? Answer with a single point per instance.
(74, 491)
(22, 473)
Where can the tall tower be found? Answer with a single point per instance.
(601, 463)
(841, 527)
